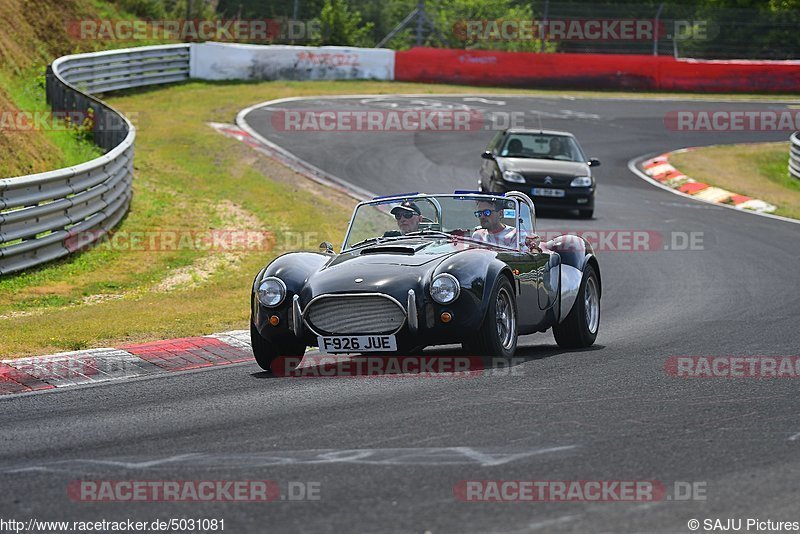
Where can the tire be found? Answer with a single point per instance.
(497, 336)
(586, 214)
(579, 329)
(265, 351)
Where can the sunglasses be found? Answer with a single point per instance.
(404, 215)
(484, 213)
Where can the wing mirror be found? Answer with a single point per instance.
(326, 247)
(594, 162)
(487, 155)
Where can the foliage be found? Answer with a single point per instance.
(341, 26)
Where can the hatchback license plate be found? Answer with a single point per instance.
(333, 344)
(544, 192)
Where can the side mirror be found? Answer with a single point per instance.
(326, 247)
(487, 155)
(594, 162)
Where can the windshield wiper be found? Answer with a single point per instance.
(428, 231)
(365, 241)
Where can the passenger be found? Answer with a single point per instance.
(492, 228)
(558, 149)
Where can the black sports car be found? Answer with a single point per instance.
(550, 166)
(415, 270)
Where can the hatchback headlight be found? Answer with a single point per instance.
(581, 181)
(271, 291)
(511, 176)
(445, 288)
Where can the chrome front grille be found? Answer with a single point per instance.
(354, 314)
(538, 180)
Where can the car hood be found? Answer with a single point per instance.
(529, 165)
(390, 267)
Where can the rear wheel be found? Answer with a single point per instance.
(497, 336)
(266, 352)
(579, 329)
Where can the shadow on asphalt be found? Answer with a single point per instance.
(447, 360)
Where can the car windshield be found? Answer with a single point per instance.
(470, 217)
(541, 146)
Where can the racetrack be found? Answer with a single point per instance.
(389, 451)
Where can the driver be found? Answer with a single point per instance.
(492, 229)
(408, 217)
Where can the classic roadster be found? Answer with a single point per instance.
(417, 270)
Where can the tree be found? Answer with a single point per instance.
(343, 27)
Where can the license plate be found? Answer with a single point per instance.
(333, 344)
(544, 192)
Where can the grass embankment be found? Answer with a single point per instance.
(756, 170)
(188, 178)
(34, 33)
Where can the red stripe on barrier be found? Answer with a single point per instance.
(594, 71)
(188, 353)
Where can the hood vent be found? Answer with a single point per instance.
(389, 249)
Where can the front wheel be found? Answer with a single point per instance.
(497, 336)
(266, 352)
(586, 214)
(579, 329)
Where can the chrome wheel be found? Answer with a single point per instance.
(591, 306)
(506, 319)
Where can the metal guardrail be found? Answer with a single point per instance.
(46, 216)
(794, 155)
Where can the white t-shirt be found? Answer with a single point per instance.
(506, 237)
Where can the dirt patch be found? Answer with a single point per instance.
(233, 218)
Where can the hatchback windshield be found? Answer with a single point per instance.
(482, 218)
(541, 146)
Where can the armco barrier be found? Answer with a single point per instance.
(794, 155)
(594, 71)
(39, 213)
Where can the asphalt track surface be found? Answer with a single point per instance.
(387, 452)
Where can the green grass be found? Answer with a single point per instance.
(755, 170)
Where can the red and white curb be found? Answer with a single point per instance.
(660, 170)
(25, 375)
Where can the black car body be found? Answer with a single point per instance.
(382, 286)
(549, 166)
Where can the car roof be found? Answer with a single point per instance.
(537, 131)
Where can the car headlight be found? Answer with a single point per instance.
(581, 181)
(445, 288)
(271, 291)
(511, 176)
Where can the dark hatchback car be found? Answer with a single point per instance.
(548, 166)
